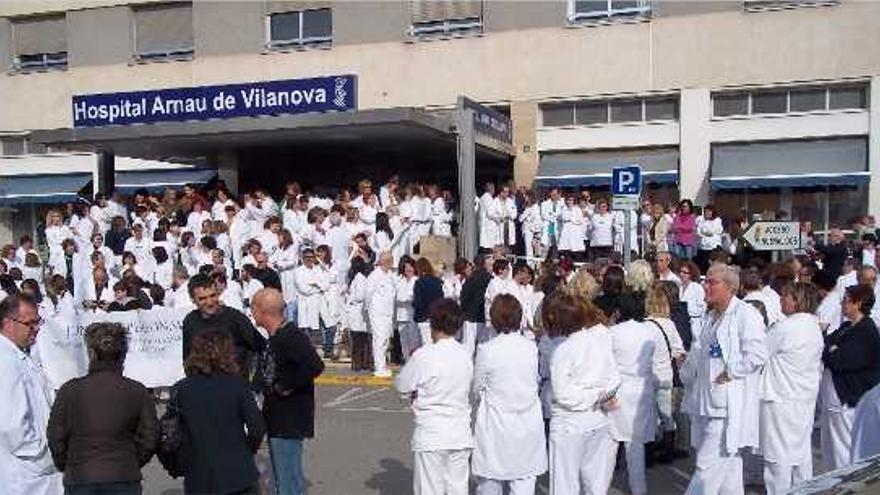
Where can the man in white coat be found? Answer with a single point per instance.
(26, 466)
(489, 234)
(504, 213)
(380, 310)
(551, 215)
(310, 285)
(721, 379)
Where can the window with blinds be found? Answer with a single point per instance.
(439, 18)
(589, 11)
(298, 24)
(764, 5)
(163, 31)
(40, 43)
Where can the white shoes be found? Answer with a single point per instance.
(382, 374)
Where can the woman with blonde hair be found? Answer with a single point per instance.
(658, 232)
(583, 285)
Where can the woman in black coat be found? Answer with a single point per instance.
(217, 405)
(852, 367)
(427, 289)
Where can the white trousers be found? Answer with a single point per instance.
(522, 486)
(425, 332)
(469, 332)
(717, 472)
(381, 329)
(409, 338)
(779, 478)
(441, 472)
(836, 437)
(635, 468)
(581, 462)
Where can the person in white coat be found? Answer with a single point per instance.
(721, 379)
(692, 293)
(532, 225)
(355, 316)
(26, 466)
(789, 387)
(865, 430)
(584, 380)
(284, 261)
(440, 214)
(601, 231)
(644, 366)
(551, 211)
(310, 285)
(574, 225)
(490, 236)
(709, 229)
(508, 415)
(503, 212)
(403, 305)
(437, 379)
(380, 310)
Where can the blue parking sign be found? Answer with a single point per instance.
(626, 181)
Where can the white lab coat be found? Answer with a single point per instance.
(309, 284)
(644, 366)
(26, 466)
(285, 262)
(532, 225)
(866, 426)
(508, 415)
(331, 297)
(231, 296)
(789, 385)
(741, 335)
(551, 212)
(440, 218)
(440, 374)
(503, 212)
(490, 235)
(619, 230)
(694, 296)
(710, 232)
(497, 286)
(830, 312)
(354, 304)
(602, 230)
(573, 229)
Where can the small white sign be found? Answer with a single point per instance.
(625, 202)
(773, 236)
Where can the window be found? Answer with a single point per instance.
(40, 43)
(593, 112)
(163, 32)
(769, 102)
(443, 18)
(10, 146)
(300, 28)
(790, 100)
(764, 5)
(593, 10)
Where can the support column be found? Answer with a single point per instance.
(467, 193)
(874, 148)
(524, 117)
(105, 173)
(695, 147)
(227, 169)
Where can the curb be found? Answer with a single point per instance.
(356, 380)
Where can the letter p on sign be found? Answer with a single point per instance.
(626, 181)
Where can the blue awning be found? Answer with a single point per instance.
(156, 180)
(803, 180)
(42, 188)
(593, 168)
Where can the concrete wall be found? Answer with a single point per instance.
(5, 45)
(524, 115)
(228, 28)
(525, 14)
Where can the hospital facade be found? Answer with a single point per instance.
(762, 105)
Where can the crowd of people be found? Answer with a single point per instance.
(563, 353)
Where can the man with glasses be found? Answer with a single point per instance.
(26, 466)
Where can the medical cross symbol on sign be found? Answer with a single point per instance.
(626, 181)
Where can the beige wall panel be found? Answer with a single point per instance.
(27, 7)
(227, 28)
(525, 120)
(99, 36)
(507, 15)
(369, 22)
(5, 45)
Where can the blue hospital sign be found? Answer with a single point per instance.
(319, 94)
(626, 181)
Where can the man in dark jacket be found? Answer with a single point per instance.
(290, 368)
(267, 276)
(103, 427)
(473, 301)
(211, 315)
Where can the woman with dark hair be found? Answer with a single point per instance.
(852, 367)
(384, 236)
(437, 379)
(222, 424)
(508, 417)
(710, 230)
(615, 297)
(163, 269)
(691, 292)
(361, 348)
(103, 427)
(427, 289)
(684, 231)
(585, 381)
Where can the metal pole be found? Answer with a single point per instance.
(627, 237)
(826, 215)
(106, 173)
(467, 218)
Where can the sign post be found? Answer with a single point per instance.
(773, 236)
(626, 188)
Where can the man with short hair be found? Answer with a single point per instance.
(26, 466)
(266, 275)
(721, 374)
(290, 368)
(211, 315)
(380, 310)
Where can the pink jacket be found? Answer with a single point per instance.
(684, 229)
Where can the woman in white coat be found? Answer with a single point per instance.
(355, 316)
(585, 380)
(602, 231)
(644, 366)
(692, 294)
(309, 284)
(403, 308)
(508, 415)
(285, 260)
(789, 386)
(571, 237)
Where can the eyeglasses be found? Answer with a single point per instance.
(30, 324)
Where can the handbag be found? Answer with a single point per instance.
(173, 447)
(676, 379)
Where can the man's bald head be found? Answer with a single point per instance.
(267, 307)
